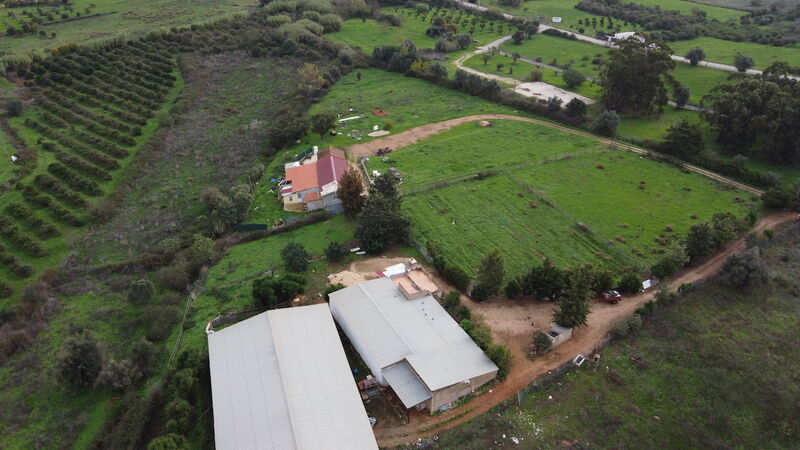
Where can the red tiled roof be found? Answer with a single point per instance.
(330, 167)
(303, 177)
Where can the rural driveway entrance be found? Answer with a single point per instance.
(511, 326)
(409, 137)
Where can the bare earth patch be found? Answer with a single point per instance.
(544, 91)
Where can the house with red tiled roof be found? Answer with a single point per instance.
(312, 180)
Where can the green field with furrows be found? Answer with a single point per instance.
(86, 20)
(75, 147)
(604, 205)
(715, 368)
(718, 50)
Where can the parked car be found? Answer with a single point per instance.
(612, 296)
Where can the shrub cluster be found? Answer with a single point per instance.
(34, 197)
(57, 189)
(20, 238)
(40, 227)
(74, 180)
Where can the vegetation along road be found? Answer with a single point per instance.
(603, 43)
(584, 341)
(413, 135)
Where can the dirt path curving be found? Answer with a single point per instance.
(513, 323)
(412, 136)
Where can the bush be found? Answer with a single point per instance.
(119, 376)
(141, 292)
(501, 356)
(480, 293)
(745, 269)
(171, 441)
(174, 277)
(331, 289)
(13, 107)
(80, 360)
(513, 288)
(295, 257)
(646, 309)
(271, 291)
(630, 283)
(573, 78)
(542, 342)
(576, 108)
(335, 251)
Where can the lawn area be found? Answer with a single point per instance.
(111, 18)
(561, 51)
(654, 128)
(532, 210)
(469, 149)
(522, 72)
(718, 50)
(719, 371)
(686, 7)
(229, 282)
(370, 33)
(554, 8)
(410, 102)
(699, 79)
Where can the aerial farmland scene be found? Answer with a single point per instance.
(396, 224)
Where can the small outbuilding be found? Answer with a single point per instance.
(280, 380)
(411, 344)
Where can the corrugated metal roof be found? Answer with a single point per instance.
(391, 328)
(406, 384)
(280, 380)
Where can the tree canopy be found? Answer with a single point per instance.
(759, 115)
(636, 75)
(381, 222)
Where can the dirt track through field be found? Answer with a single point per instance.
(513, 323)
(412, 136)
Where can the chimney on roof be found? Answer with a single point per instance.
(316, 149)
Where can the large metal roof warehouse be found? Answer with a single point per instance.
(411, 344)
(280, 380)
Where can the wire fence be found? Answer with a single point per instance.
(479, 175)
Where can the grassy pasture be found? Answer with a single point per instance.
(112, 18)
(370, 33)
(554, 8)
(522, 72)
(228, 285)
(717, 373)
(718, 50)
(686, 7)
(560, 175)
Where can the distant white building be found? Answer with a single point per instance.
(280, 381)
(411, 344)
(617, 37)
(556, 20)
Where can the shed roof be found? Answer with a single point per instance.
(406, 384)
(391, 328)
(280, 380)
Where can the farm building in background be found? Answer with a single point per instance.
(312, 180)
(411, 344)
(280, 380)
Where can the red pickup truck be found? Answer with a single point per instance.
(611, 296)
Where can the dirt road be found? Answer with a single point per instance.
(408, 137)
(513, 323)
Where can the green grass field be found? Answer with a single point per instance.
(228, 285)
(653, 128)
(719, 372)
(112, 18)
(555, 8)
(686, 7)
(370, 33)
(569, 179)
(522, 72)
(724, 52)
